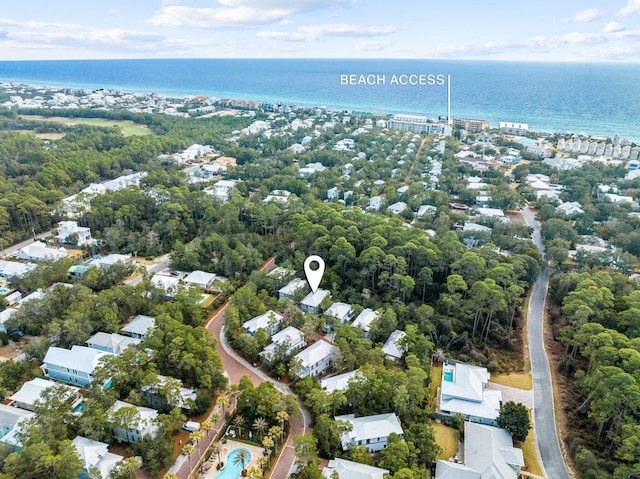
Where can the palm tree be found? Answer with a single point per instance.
(188, 450)
(282, 417)
(196, 437)
(215, 417)
(170, 475)
(263, 462)
(275, 432)
(254, 472)
(439, 356)
(207, 426)
(216, 449)
(260, 425)
(223, 402)
(268, 444)
(238, 422)
(242, 458)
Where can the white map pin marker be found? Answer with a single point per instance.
(314, 276)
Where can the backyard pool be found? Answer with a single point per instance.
(233, 469)
(448, 374)
(4, 291)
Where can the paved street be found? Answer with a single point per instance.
(544, 421)
(236, 367)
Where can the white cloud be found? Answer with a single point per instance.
(237, 14)
(632, 7)
(371, 46)
(612, 27)
(115, 38)
(584, 16)
(315, 32)
(112, 11)
(39, 25)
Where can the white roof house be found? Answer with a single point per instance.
(146, 425)
(316, 358)
(311, 302)
(185, 395)
(68, 228)
(11, 269)
(352, 470)
(339, 382)
(464, 390)
(365, 318)
(398, 207)
(5, 315)
(95, 455)
(375, 203)
(370, 431)
(37, 294)
(169, 284)
(393, 346)
(201, 279)
(221, 190)
(107, 261)
(11, 421)
(140, 326)
(111, 342)
(291, 337)
(291, 288)
(488, 452)
(31, 391)
(426, 209)
(343, 312)
(474, 227)
(74, 366)
(570, 208)
(38, 251)
(269, 321)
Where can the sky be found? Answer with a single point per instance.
(525, 30)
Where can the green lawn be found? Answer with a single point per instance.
(531, 455)
(127, 127)
(436, 379)
(516, 380)
(448, 438)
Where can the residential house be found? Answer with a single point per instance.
(107, 261)
(395, 347)
(112, 342)
(570, 208)
(221, 190)
(333, 193)
(343, 312)
(285, 342)
(140, 327)
(13, 298)
(144, 424)
(278, 196)
(370, 431)
(398, 207)
(425, 209)
(464, 390)
(66, 229)
(340, 382)
(311, 302)
(316, 359)
(311, 168)
(352, 470)
(201, 279)
(5, 315)
(488, 452)
(291, 288)
(269, 321)
(375, 203)
(31, 391)
(364, 320)
(12, 421)
(74, 366)
(179, 396)
(14, 269)
(168, 284)
(77, 271)
(37, 294)
(38, 251)
(95, 455)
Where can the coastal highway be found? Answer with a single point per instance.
(544, 421)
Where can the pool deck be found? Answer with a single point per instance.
(255, 451)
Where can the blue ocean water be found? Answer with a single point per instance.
(599, 99)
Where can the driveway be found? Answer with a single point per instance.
(510, 393)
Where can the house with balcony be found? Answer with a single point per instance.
(315, 359)
(95, 455)
(73, 366)
(269, 321)
(31, 392)
(143, 425)
(370, 431)
(112, 342)
(140, 327)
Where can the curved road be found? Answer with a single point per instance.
(236, 367)
(544, 421)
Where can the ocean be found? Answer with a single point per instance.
(598, 99)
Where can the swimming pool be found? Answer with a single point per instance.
(4, 291)
(448, 375)
(232, 469)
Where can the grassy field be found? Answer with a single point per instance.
(448, 438)
(531, 455)
(436, 379)
(127, 127)
(516, 380)
(43, 136)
